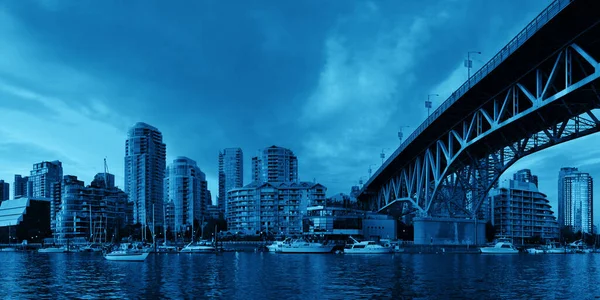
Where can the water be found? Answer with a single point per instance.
(281, 276)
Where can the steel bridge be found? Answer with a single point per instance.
(540, 90)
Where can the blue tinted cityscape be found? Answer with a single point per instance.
(437, 150)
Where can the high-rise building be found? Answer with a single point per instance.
(231, 173)
(274, 207)
(520, 211)
(4, 190)
(20, 186)
(525, 176)
(145, 162)
(186, 193)
(577, 201)
(275, 164)
(561, 199)
(94, 213)
(42, 177)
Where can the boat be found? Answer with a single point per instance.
(126, 253)
(276, 245)
(554, 248)
(304, 246)
(536, 250)
(502, 246)
(579, 247)
(367, 247)
(91, 248)
(8, 249)
(53, 250)
(199, 247)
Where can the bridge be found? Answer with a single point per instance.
(538, 91)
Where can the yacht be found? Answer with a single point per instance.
(555, 248)
(126, 253)
(62, 249)
(304, 246)
(276, 245)
(502, 246)
(199, 247)
(579, 247)
(366, 247)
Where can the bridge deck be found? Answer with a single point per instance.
(559, 24)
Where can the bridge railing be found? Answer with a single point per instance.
(547, 14)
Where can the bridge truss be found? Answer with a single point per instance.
(552, 104)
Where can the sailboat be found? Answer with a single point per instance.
(201, 246)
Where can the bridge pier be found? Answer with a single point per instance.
(448, 231)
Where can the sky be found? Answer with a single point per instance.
(333, 81)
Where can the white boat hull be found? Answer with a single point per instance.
(381, 250)
(322, 249)
(535, 251)
(141, 256)
(52, 250)
(8, 249)
(492, 250)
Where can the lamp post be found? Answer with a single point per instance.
(382, 155)
(428, 102)
(469, 62)
(370, 170)
(401, 134)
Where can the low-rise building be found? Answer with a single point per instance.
(24, 219)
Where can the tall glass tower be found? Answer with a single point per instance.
(275, 164)
(231, 173)
(576, 199)
(145, 162)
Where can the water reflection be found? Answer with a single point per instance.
(275, 276)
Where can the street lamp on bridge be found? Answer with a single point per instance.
(428, 102)
(469, 62)
(370, 170)
(382, 155)
(400, 134)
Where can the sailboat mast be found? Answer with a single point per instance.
(165, 224)
(91, 232)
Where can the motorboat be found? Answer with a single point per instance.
(536, 250)
(502, 246)
(276, 245)
(91, 248)
(53, 250)
(579, 247)
(304, 246)
(126, 253)
(367, 247)
(199, 247)
(8, 249)
(554, 248)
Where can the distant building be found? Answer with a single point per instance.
(24, 219)
(20, 186)
(186, 192)
(4, 190)
(577, 197)
(521, 212)
(41, 178)
(525, 176)
(213, 212)
(231, 173)
(94, 213)
(275, 164)
(277, 207)
(145, 163)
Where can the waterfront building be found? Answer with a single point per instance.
(42, 177)
(277, 207)
(4, 190)
(24, 219)
(94, 213)
(521, 212)
(275, 164)
(561, 195)
(576, 199)
(20, 186)
(186, 192)
(231, 173)
(145, 163)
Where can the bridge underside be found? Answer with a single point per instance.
(553, 103)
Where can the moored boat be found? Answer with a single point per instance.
(502, 246)
(304, 246)
(367, 247)
(126, 253)
(53, 250)
(199, 247)
(276, 245)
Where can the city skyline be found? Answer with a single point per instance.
(383, 59)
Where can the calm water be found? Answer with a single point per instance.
(277, 276)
